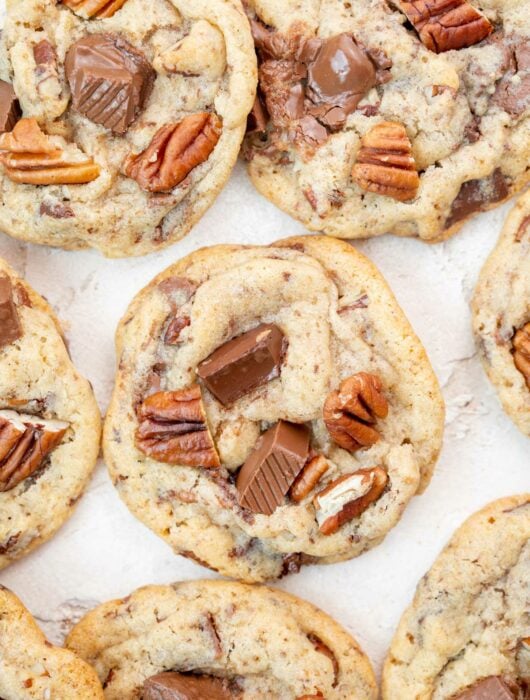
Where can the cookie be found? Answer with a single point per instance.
(272, 407)
(466, 635)
(49, 422)
(121, 119)
(501, 315)
(33, 669)
(398, 116)
(234, 640)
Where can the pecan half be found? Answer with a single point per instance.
(94, 9)
(173, 429)
(444, 25)
(350, 412)
(521, 352)
(25, 441)
(308, 478)
(174, 152)
(348, 497)
(31, 157)
(385, 164)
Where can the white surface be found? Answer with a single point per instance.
(103, 552)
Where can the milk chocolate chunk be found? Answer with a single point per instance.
(490, 688)
(475, 195)
(270, 470)
(10, 111)
(179, 686)
(110, 80)
(244, 363)
(10, 328)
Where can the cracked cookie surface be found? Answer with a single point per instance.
(49, 422)
(171, 63)
(32, 668)
(331, 71)
(470, 616)
(263, 642)
(501, 314)
(349, 408)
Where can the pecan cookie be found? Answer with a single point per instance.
(120, 120)
(272, 407)
(215, 639)
(49, 422)
(466, 635)
(390, 116)
(33, 669)
(501, 315)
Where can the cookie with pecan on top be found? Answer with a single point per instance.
(501, 315)
(49, 422)
(272, 407)
(390, 116)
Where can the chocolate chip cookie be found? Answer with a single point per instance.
(33, 669)
(501, 315)
(466, 635)
(215, 639)
(120, 120)
(272, 407)
(390, 116)
(49, 422)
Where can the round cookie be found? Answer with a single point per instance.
(466, 635)
(501, 315)
(49, 422)
(144, 101)
(299, 441)
(255, 642)
(401, 117)
(33, 669)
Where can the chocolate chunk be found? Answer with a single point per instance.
(513, 91)
(475, 195)
(179, 686)
(56, 210)
(272, 467)
(244, 363)
(258, 118)
(10, 328)
(10, 111)
(110, 80)
(491, 688)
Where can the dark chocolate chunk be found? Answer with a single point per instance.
(491, 688)
(475, 195)
(110, 80)
(244, 363)
(10, 111)
(179, 686)
(10, 328)
(272, 467)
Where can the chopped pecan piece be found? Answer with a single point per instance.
(174, 152)
(308, 478)
(174, 328)
(31, 157)
(25, 441)
(521, 352)
(444, 25)
(173, 429)
(348, 497)
(350, 412)
(322, 648)
(94, 9)
(523, 659)
(385, 164)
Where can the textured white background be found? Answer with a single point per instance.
(103, 552)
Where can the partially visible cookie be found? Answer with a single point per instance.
(501, 315)
(272, 407)
(233, 640)
(32, 668)
(390, 116)
(121, 119)
(49, 422)
(466, 635)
